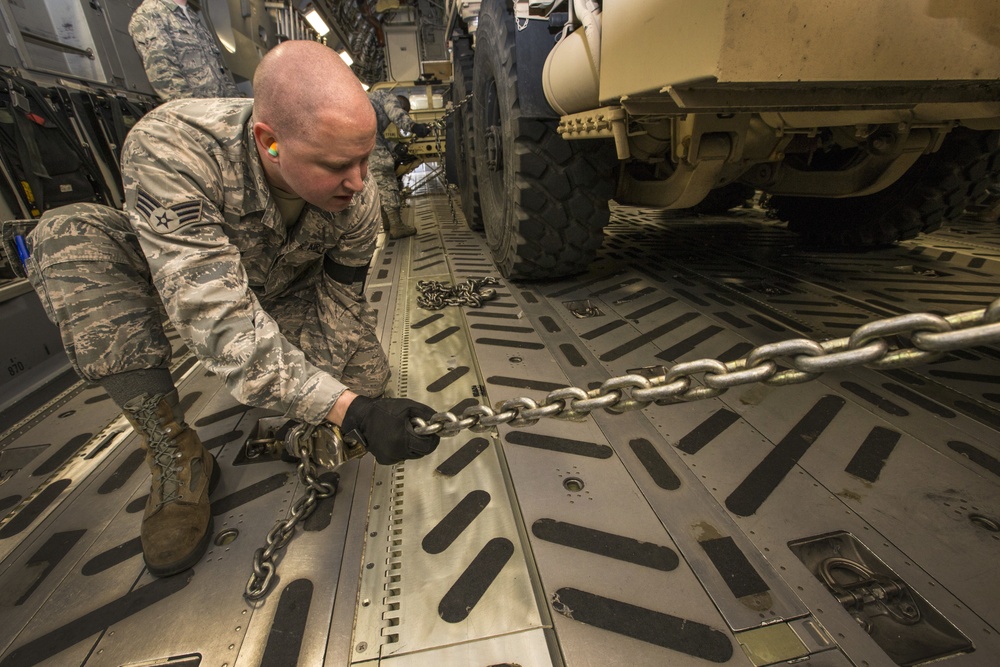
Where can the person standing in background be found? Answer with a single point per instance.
(179, 53)
(391, 108)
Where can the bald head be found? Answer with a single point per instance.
(300, 83)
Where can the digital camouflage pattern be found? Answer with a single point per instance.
(180, 55)
(113, 325)
(247, 294)
(383, 168)
(387, 111)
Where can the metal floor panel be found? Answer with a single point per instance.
(663, 536)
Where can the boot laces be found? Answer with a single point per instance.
(165, 451)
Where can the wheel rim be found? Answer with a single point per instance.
(494, 152)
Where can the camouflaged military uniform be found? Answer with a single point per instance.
(248, 294)
(387, 111)
(180, 55)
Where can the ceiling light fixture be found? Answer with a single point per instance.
(317, 22)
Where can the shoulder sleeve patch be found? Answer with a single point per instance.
(165, 219)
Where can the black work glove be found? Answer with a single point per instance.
(384, 423)
(421, 129)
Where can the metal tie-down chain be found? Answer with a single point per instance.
(440, 126)
(435, 295)
(465, 100)
(311, 444)
(875, 345)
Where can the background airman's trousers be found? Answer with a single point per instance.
(383, 167)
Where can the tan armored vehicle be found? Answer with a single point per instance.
(863, 123)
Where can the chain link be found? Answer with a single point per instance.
(440, 122)
(440, 128)
(435, 295)
(264, 565)
(879, 344)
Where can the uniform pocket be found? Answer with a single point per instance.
(16, 247)
(38, 283)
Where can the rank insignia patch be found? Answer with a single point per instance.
(166, 219)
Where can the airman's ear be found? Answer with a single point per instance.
(267, 141)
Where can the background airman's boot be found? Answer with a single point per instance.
(177, 524)
(397, 228)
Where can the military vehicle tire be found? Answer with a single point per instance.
(468, 184)
(544, 200)
(987, 209)
(937, 189)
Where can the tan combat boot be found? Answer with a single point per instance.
(397, 228)
(177, 524)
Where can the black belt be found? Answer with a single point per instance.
(342, 273)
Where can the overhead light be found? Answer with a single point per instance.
(317, 22)
(365, 85)
(346, 57)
